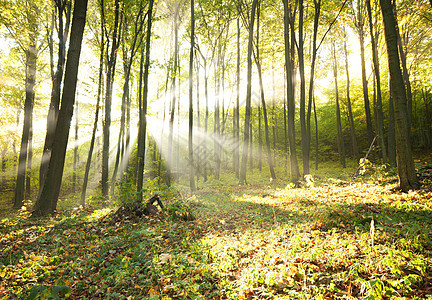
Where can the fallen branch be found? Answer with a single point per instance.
(364, 158)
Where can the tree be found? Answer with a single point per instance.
(355, 151)
(143, 107)
(47, 201)
(359, 20)
(379, 108)
(110, 72)
(405, 163)
(288, 24)
(190, 138)
(242, 178)
(23, 27)
(340, 140)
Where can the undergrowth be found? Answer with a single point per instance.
(333, 238)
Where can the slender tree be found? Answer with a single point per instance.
(143, 109)
(379, 109)
(248, 95)
(359, 22)
(289, 65)
(340, 141)
(96, 119)
(31, 54)
(191, 60)
(111, 65)
(355, 151)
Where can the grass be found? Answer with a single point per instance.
(335, 239)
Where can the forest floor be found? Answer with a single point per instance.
(332, 238)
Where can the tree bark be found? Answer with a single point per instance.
(96, 120)
(64, 9)
(379, 109)
(350, 114)
(47, 201)
(190, 140)
(111, 65)
(31, 64)
(294, 170)
(340, 141)
(361, 33)
(248, 95)
(405, 163)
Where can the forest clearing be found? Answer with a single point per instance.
(335, 238)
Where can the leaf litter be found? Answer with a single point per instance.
(247, 242)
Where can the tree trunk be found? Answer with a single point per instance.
(63, 8)
(236, 116)
(379, 109)
(31, 63)
(76, 156)
(405, 74)
(143, 112)
(391, 130)
(317, 6)
(111, 64)
(350, 114)
(248, 95)
(405, 163)
(96, 120)
(340, 141)
(47, 201)
(29, 161)
(170, 161)
(294, 170)
(190, 140)
(263, 103)
(303, 128)
(361, 33)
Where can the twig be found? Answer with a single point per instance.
(364, 158)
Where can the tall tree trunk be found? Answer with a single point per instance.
(170, 162)
(405, 163)
(63, 9)
(285, 124)
(236, 116)
(263, 103)
(76, 156)
(47, 201)
(340, 141)
(317, 6)
(303, 128)
(350, 114)
(405, 74)
(29, 161)
(361, 33)
(294, 170)
(31, 64)
(190, 140)
(316, 135)
(127, 66)
(205, 119)
(391, 130)
(143, 110)
(248, 95)
(259, 138)
(96, 119)
(111, 64)
(379, 109)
